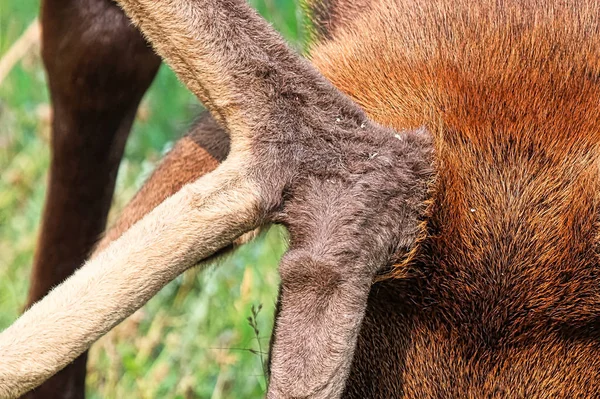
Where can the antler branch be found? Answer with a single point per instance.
(302, 154)
(228, 56)
(193, 224)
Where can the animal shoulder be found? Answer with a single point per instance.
(506, 269)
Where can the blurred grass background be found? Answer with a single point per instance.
(193, 340)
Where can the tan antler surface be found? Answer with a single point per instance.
(302, 154)
(191, 225)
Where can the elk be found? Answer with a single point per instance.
(437, 169)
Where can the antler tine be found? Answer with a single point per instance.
(226, 54)
(292, 133)
(199, 220)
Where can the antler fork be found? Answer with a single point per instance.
(302, 154)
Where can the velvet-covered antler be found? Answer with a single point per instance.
(302, 154)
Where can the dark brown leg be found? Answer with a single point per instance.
(98, 68)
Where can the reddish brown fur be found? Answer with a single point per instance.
(327, 17)
(500, 296)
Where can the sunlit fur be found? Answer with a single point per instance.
(501, 296)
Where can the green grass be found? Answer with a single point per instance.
(193, 340)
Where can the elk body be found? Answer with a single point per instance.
(471, 273)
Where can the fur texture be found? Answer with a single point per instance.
(298, 146)
(326, 17)
(309, 146)
(495, 294)
(500, 297)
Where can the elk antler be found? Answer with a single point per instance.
(302, 154)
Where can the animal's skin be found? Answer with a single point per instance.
(499, 295)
